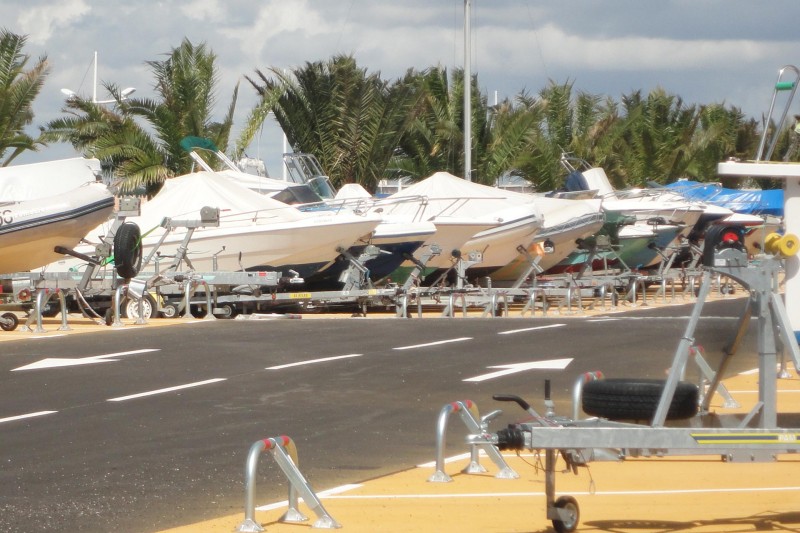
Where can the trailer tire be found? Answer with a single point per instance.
(569, 504)
(637, 399)
(226, 311)
(130, 307)
(9, 322)
(128, 250)
(169, 310)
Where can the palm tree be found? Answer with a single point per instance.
(502, 134)
(140, 138)
(580, 124)
(349, 119)
(18, 89)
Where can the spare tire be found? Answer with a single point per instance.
(128, 250)
(637, 399)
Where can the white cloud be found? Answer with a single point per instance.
(210, 10)
(40, 23)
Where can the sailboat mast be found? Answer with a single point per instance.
(467, 94)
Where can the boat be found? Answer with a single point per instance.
(566, 223)
(253, 232)
(471, 219)
(31, 230)
(640, 224)
(45, 205)
(308, 188)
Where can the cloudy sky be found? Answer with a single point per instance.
(702, 50)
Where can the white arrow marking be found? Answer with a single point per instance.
(54, 362)
(552, 364)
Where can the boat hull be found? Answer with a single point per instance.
(30, 230)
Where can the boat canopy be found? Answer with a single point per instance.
(20, 183)
(749, 201)
(183, 197)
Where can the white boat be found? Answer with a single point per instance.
(254, 232)
(504, 220)
(30, 230)
(641, 222)
(565, 223)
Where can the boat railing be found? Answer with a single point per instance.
(781, 85)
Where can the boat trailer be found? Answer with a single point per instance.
(614, 433)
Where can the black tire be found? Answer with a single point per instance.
(9, 322)
(128, 250)
(571, 505)
(226, 311)
(637, 399)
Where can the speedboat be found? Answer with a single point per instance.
(566, 222)
(500, 220)
(640, 223)
(253, 232)
(31, 230)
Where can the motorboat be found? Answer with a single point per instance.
(308, 188)
(31, 230)
(566, 223)
(640, 224)
(501, 220)
(252, 232)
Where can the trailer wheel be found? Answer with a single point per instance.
(169, 311)
(130, 307)
(226, 311)
(637, 399)
(570, 505)
(128, 250)
(9, 322)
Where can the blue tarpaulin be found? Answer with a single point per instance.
(751, 201)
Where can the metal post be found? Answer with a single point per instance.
(470, 416)
(285, 454)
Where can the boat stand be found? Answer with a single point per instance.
(755, 437)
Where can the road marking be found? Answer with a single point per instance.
(323, 494)
(509, 332)
(313, 361)
(575, 493)
(413, 346)
(651, 318)
(54, 362)
(29, 415)
(552, 364)
(168, 389)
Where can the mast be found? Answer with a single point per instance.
(467, 94)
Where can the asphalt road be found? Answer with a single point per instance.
(158, 436)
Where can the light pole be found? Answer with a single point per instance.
(124, 93)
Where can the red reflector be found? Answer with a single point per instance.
(730, 236)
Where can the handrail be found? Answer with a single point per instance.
(780, 85)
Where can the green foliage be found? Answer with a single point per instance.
(139, 138)
(349, 119)
(18, 89)
(363, 128)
